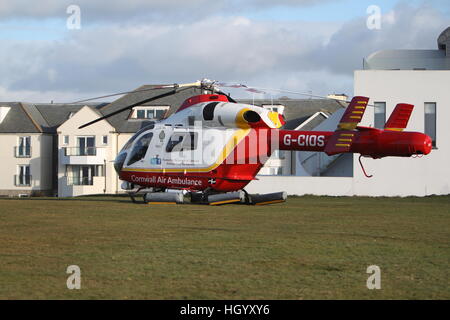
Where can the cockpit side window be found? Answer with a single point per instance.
(140, 148)
(182, 142)
(137, 134)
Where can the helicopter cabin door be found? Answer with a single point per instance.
(182, 148)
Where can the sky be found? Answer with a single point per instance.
(49, 53)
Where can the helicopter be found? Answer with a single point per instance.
(213, 146)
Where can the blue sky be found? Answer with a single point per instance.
(300, 45)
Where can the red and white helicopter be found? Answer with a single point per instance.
(212, 146)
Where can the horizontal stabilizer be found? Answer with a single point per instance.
(399, 117)
(340, 142)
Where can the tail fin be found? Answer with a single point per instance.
(353, 114)
(342, 139)
(399, 117)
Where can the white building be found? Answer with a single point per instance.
(26, 156)
(419, 77)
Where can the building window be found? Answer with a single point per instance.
(86, 146)
(430, 121)
(23, 150)
(274, 107)
(379, 114)
(149, 112)
(66, 140)
(23, 178)
(276, 171)
(105, 140)
(278, 154)
(83, 175)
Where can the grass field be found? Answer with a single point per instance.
(306, 248)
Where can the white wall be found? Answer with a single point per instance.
(391, 176)
(106, 184)
(407, 176)
(294, 185)
(40, 163)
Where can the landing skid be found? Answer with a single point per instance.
(241, 197)
(208, 197)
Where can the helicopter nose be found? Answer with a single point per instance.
(119, 161)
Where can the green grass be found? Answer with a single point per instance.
(306, 248)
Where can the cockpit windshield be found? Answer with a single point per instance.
(137, 134)
(140, 148)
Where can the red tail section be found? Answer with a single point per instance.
(344, 136)
(399, 117)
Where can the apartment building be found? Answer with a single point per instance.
(26, 159)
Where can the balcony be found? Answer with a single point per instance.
(80, 181)
(80, 156)
(21, 180)
(76, 186)
(22, 152)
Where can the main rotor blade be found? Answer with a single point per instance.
(198, 83)
(166, 94)
(258, 90)
(120, 93)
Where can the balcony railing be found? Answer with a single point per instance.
(77, 151)
(22, 152)
(21, 180)
(80, 181)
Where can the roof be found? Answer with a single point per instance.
(444, 40)
(18, 120)
(413, 59)
(121, 122)
(57, 114)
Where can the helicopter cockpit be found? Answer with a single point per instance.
(138, 150)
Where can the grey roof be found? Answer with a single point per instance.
(121, 122)
(57, 114)
(37, 118)
(313, 121)
(18, 120)
(444, 40)
(413, 59)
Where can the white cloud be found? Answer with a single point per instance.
(117, 10)
(299, 56)
(110, 58)
(405, 27)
